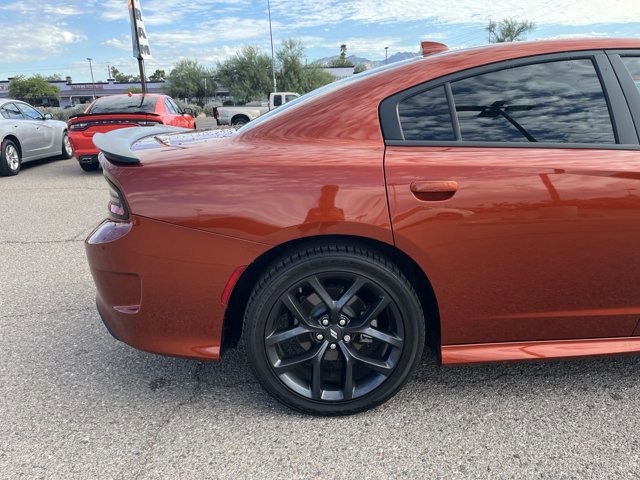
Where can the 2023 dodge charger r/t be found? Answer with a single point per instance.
(486, 199)
(121, 111)
(26, 134)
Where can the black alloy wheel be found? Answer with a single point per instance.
(334, 330)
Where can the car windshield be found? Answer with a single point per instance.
(118, 104)
(327, 88)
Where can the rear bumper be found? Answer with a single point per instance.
(82, 144)
(159, 285)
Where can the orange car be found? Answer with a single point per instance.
(486, 200)
(121, 111)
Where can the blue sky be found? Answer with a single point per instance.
(56, 36)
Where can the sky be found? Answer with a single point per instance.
(56, 36)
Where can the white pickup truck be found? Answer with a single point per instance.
(238, 116)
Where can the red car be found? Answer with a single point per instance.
(121, 111)
(486, 199)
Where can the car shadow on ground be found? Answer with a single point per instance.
(230, 385)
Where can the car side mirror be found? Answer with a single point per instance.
(48, 116)
(188, 111)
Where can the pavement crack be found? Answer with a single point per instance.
(40, 242)
(190, 400)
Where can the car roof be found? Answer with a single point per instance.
(356, 99)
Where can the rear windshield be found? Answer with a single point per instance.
(134, 104)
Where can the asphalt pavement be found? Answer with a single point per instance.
(75, 403)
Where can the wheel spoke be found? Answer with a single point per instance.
(349, 294)
(283, 366)
(347, 388)
(392, 340)
(280, 337)
(298, 314)
(383, 302)
(379, 366)
(316, 374)
(319, 289)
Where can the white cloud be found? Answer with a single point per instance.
(306, 13)
(33, 42)
(26, 7)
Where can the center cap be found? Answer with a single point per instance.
(334, 334)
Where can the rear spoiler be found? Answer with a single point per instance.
(116, 145)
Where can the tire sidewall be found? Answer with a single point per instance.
(396, 286)
(65, 155)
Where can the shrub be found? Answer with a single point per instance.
(63, 113)
(197, 109)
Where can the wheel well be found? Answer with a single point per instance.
(14, 140)
(234, 315)
(238, 117)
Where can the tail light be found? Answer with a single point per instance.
(117, 205)
(78, 126)
(216, 113)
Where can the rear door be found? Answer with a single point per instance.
(517, 188)
(40, 140)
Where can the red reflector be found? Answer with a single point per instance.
(228, 288)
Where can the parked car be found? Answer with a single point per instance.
(315, 233)
(121, 111)
(241, 115)
(26, 134)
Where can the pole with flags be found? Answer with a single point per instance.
(139, 39)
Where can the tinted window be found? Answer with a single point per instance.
(125, 104)
(426, 116)
(11, 111)
(557, 102)
(633, 65)
(169, 107)
(30, 112)
(176, 107)
(277, 100)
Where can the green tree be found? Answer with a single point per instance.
(187, 80)
(33, 88)
(247, 74)
(119, 76)
(361, 67)
(157, 76)
(508, 30)
(55, 76)
(292, 75)
(342, 60)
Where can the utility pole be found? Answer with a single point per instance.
(386, 55)
(273, 58)
(93, 83)
(108, 72)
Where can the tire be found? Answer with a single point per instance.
(335, 360)
(239, 121)
(67, 151)
(90, 167)
(10, 158)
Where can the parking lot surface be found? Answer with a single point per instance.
(75, 403)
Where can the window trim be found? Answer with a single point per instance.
(625, 136)
(629, 89)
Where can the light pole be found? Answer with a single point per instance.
(273, 61)
(93, 83)
(386, 55)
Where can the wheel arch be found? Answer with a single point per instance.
(240, 116)
(15, 140)
(234, 314)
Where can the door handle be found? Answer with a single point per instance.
(434, 190)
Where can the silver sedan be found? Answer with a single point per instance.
(27, 134)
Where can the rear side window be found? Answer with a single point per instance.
(11, 111)
(552, 102)
(426, 116)
(633, 65)
(125, 104)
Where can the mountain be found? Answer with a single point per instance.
(396, 57)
